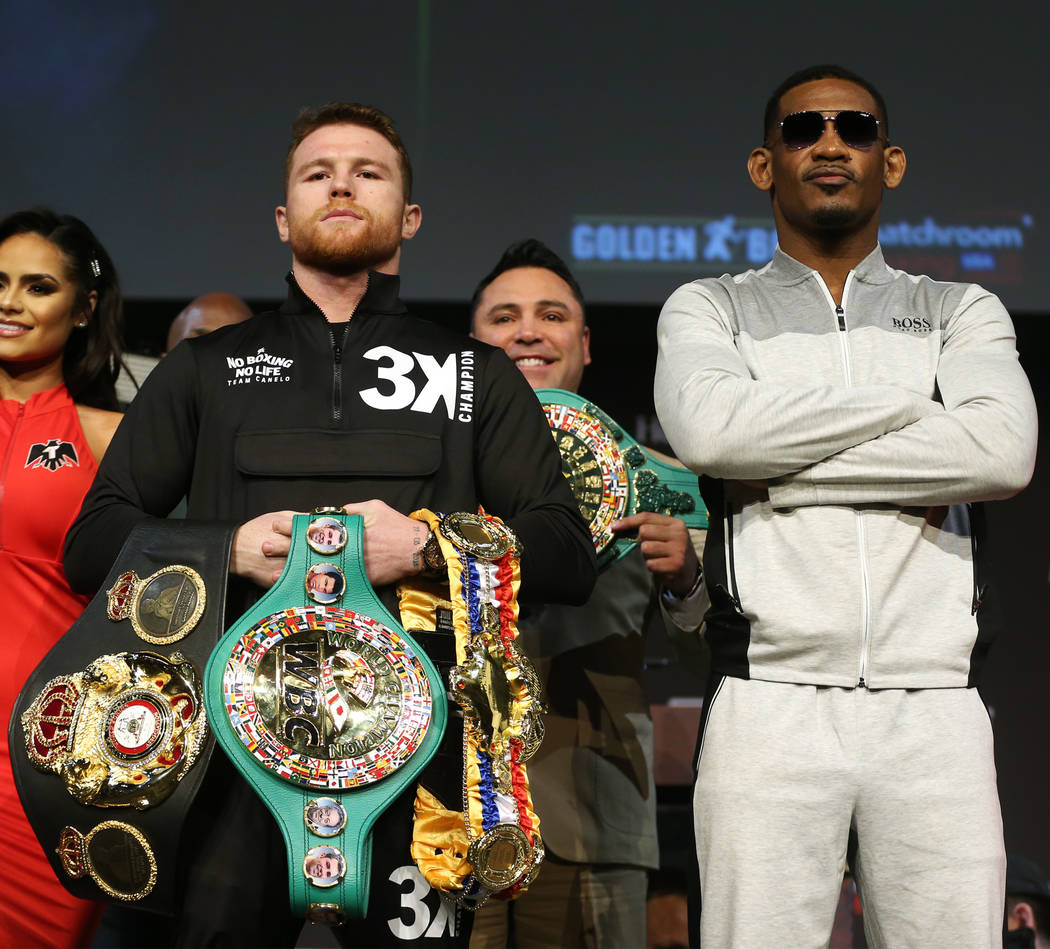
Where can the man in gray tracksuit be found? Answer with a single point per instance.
(846, 418)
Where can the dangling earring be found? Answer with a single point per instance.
(81, 323)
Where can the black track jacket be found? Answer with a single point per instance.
(287, 411)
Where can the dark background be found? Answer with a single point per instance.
(164, 125)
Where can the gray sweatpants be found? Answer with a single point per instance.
(787, 771)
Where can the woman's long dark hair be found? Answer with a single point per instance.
(91, 359)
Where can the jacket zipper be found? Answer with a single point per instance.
(865, 584)
(840, 317)
(7, 463)
(338, 348)
(337, 371)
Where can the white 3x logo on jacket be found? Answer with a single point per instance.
(441, 379)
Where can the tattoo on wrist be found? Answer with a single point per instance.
(417, 542)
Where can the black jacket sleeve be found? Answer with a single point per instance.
(144, 473)
(518, 469)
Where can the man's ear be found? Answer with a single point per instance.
(411, 220)
(893, 164)
(758, 167)
(281, 216)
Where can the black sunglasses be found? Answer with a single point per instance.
(856, 129)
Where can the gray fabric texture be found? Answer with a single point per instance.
(910, 772)
(869, 426)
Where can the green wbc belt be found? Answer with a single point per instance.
(612, 476)
(327, 708)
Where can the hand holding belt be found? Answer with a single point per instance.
(613, 476)
(327, 708)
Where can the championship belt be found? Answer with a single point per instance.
(492, 848)
(612, 476)
(109, 738)
(327, 708)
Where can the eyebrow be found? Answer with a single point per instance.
(329, 163)
(503, 306)
(31, 277)
(516, 307)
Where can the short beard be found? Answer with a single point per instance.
(834, 218)
(342, 255)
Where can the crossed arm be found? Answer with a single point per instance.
(850, 444)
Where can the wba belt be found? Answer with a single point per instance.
(328, 708)
(492, 848)
(613, 476)
(109, 737)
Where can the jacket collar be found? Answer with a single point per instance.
(381, 296)
(786, 270)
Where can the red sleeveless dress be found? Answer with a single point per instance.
(45, 471)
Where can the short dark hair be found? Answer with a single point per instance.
(91, 358)
(310, 119)
(811, 74)
(527, 253)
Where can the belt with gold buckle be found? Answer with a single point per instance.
(109, 737)
(612, 476)
(328, 708)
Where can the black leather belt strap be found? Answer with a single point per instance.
(124, 853)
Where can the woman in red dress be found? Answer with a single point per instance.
(60, 318)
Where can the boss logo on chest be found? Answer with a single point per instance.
(919, 325)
